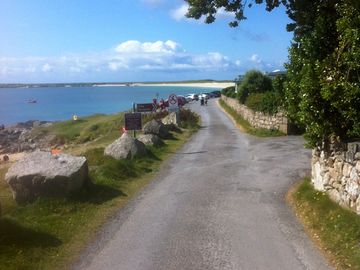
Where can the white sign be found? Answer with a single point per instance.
(173, 101)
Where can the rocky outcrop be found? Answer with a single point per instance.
(337, 172)
(126, 147)
(19, 138)
(150, 139)
(157, 128)
(43, 174)
(171, 119)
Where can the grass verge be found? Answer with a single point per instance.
(50, 233)
(334, 229)
(245, 125)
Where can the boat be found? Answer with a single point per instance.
(32, 101)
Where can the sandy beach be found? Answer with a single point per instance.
(182, 84)
(199, 84)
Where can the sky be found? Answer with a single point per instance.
(59, 41)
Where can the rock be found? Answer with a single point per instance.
(317, 178)
(126, 147)
(347, 169)
(354, 175)
(334, 195)
(352, 189)
(42, 174)
(19, 138)
(171, 118)
(156, 128)
(150, 139)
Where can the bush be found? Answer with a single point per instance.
(229, 92)
(189, 119)
(268, 102)
(323, 92)
(254, 82)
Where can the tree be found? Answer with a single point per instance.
(209, 8)
(323, 91)
(253, 82)
(323, 88)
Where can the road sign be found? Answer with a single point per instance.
(133, 121)
(145, 107)
(173, 101)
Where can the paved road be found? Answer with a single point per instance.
(218, 204)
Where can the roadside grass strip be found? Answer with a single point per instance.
(245, 125)
(335, 230)
(50, 233)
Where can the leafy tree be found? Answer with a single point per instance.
(209, 8)
(323, 88)
(253, 82)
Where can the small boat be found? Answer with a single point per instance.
(32, 101)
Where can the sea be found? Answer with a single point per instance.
(61, 103)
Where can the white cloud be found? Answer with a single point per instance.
(130, 56)
(30, 69)
(178, 13)
(255, 59)
(134, 46)
(46, 68)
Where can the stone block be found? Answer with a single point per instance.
(358, 166)
(354, 175)
(317, 178)
(352, 189)
(334, 195)
(346, 169)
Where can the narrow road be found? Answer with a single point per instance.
(218, 204)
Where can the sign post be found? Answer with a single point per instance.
(174, 105)
(133, 121)
(145, 107)
(173, 102)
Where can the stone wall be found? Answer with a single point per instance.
(337, 172)
(258, 119)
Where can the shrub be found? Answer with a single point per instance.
(323, 92)
(189, 119)
(229, 92)
(253, 82)
(268, 102)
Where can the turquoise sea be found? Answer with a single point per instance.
(60, 103)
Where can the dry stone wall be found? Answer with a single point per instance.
(337, 172)
(277, 121)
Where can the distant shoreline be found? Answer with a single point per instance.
(180, 84)
(205, 84)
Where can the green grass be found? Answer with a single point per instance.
(86, 129)
(50, 233)
(259, 132)
(338, 229)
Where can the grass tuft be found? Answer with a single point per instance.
(259, 132)
(337, 229)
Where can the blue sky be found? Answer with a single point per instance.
(133, 40)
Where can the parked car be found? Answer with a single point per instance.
(204, 95)
(216, 94)
(193, 96)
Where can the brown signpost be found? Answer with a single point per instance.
(133, 121)
(145, 107)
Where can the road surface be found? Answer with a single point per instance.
(217, 204)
